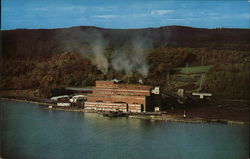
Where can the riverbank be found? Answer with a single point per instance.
(162, 117)
(179, 118)
(226, 112)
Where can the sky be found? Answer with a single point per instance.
(36, 14)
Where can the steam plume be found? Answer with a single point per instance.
(99, 58)
(129, 57)
(135, 60)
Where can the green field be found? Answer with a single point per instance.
(193, 70)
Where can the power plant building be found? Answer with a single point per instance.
(111, 96)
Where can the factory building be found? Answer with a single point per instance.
(111, 96)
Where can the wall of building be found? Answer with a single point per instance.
(106, 106)
(113, 107)
(136, 108)
(117, 98)
(121, 91)
(109, 96)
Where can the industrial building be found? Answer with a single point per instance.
(112, 96)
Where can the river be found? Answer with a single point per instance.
(30, 132)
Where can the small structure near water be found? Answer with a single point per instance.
(63, 104)
(61, 101)
(157, 109)
(77, 98)
(202, 95)
(59, 97)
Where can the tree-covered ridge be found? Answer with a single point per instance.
(46, 42)
(229, 75)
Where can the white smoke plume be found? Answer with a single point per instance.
(128, 58)
(136, 60)
(94, 50)
(99, 59)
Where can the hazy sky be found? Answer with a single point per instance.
(125, 13)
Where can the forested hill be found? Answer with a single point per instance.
(44, 42)
(45, 59)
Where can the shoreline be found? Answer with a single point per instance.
(194, 120)
(159, 117)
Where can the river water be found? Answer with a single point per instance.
(30, 132)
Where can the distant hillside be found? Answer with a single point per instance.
(44, 42)
(45, 59)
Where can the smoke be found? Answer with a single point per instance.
(99, 59)
(129, 57)
(88, 42)
(135, 59)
